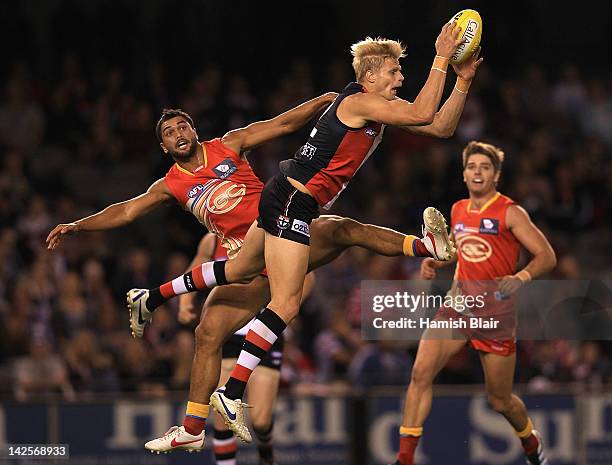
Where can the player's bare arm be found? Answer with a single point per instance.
(529, 236)
(115, 215)
(243, 139)
(446, 119)
(380, 103)
(206, 248)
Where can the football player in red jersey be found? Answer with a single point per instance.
(489, 229)
(214, 181)
(264, 383)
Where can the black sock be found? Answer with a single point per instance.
(155, 299)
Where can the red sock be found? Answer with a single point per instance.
(408, 445)
(419, 249)
(530, 444)
(194, 425)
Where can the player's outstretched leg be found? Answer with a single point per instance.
(246, 266)
(331, 235)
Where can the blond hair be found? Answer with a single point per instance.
(495, 154)
(370, 54)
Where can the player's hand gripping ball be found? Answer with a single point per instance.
(470, 23)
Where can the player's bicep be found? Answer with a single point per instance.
(397, 112)
(525, 231)
(249, 137)
(158, 194)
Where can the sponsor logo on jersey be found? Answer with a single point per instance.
(474, 249)
(301, 227)
(489, 226)
(195, 190)
(282, 222)
(307, 151)
(370, 132)
(459, 227)
(225, 169)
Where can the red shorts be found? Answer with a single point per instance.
(499, 341)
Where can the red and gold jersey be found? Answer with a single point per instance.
(223, 193)
(485, 246)
(220, 252)
(487, 249)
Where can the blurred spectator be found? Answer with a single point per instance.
(381, 363)
(41, 372)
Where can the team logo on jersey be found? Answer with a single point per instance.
(225, 169)
(474, 249)
(459, 227)
(489, 226)
(195, 190)
(307, 151)
(282, 222)
(300, 227)
(370, 132)
(216, 197)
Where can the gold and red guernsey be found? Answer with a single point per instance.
(223, 193)
(486, 248)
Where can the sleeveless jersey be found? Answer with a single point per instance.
(486, 248)
(223, 194)
(333, 153)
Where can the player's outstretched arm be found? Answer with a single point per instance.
(206, 248)
(363, 107)
(115, 215)
(445, 121)
(243, 139)
(530, 237)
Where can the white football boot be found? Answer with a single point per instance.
(176, 438)
(435, 235)
(232, 412)
(139, 315)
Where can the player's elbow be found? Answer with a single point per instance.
(551, 259)
(425, 118)
(445, 132)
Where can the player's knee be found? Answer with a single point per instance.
(206, 338)
(262, 425)
(345, 230)
(422, 375)
(500, 404)
(242, 274)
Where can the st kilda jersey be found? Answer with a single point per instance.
(223, 193)
(333, 153)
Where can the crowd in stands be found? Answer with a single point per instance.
(73, 144)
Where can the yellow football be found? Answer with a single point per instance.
(470, 23)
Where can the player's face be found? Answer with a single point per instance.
(179, 139)
(389, 79)
(479, 175)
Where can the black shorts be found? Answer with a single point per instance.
(273, 359)
(285, 211)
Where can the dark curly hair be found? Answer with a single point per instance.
(170, 113)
